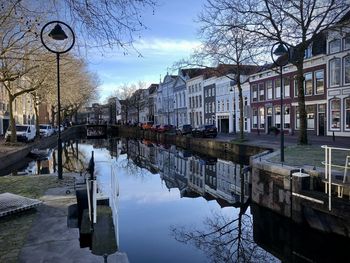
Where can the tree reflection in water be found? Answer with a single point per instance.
(224, 239)
(74, 160)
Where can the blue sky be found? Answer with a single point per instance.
(171, 35)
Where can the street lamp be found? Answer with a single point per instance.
(232, 89)
(280, 56)
(57, 41)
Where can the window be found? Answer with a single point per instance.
(346, 43)
(227, 105)
(346, 62)
(200, 100)
(286, 117)
(335, 113)
(255, 118)
(222, 105)
(347, 113)
(286, 84)
(334, 71)
(218, 105)
(278, 116)
(269, 89)
(277, 88)
(296, 92)
(334, 46)
(262, 118)
(261, 92)
(319, 82)
(255, 92)
(308, 83)
(310, 115)
(308, 52)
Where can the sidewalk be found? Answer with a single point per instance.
(274, 141)
(50, 239)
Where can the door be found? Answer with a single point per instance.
(5, 124)
(321, 124)
(269, 123)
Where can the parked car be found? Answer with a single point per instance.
(155, 127)
(205, 131)
(46, 130)
(164, 128)
(56, 128)
(147, 125)
(24, 133)
(184, 129)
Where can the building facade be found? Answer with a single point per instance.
(195, 108)
(266, 98)
(338, 93)
(180, 100)
(209, 90)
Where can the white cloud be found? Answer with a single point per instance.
(165, 45)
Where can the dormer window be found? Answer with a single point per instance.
(334, 46)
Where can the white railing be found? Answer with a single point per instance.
(328, 171)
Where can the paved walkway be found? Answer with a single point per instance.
(50, 240)
(273, 141)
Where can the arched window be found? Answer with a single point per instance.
(347, 113)
(335, 114)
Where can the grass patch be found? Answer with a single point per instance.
(310, 155)
(14, 228)
(238, 140)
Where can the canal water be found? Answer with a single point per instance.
(177, 206)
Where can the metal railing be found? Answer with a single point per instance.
(328, 171)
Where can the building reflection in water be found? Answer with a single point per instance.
(194, 175)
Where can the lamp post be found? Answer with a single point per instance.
(280, 56)
(56, 41)
(232, 89)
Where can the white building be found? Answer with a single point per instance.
(165, 101)
(195, 109)
(338, 73)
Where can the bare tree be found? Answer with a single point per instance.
(223, 45)
(294, 23)
(124, 94)
(224, 239)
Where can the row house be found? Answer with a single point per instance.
(265, 90)
(227, 99)
(209, 92)
(338, 92)
(165, 101)
(23, 109)
(180, 99)
(195, 108)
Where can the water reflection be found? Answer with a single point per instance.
(194, 175)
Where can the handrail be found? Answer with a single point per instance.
(328, 169)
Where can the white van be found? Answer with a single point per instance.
(25, 133)
(46, 130)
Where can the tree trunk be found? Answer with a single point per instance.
(301, 104)
(37, 134)
(240, 101)
(13, 137)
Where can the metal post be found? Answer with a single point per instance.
(282, 114)
(59, 141)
